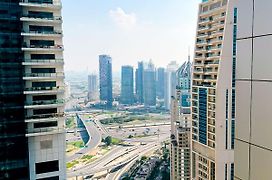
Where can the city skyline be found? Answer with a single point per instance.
(103, 30)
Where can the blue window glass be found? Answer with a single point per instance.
(202, 115)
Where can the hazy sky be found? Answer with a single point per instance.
(127, 30)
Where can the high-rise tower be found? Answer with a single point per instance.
(36, 87)
(92, 87)
(105, 79)
(140, 82)
(180, 153)
(213, 92)
(127, 85)
(44, 87)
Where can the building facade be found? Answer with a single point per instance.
(140, 83)
(149, 85)
(105, 79)
(160, 83)
(36, 90)
(253, 146)
(14, 164)
(92, 87)
(170, 83)
(127, 85)
(213, 92)
(180, 154)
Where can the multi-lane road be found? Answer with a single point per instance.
(120, 157)
(94, 140)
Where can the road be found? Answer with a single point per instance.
(114, 159)
(94, 141)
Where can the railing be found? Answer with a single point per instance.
(46, 102)
(43, 130)
(44, 60)
(44, 88)
(49, 3)
(43, 32)
(58, 18)
(57, 74)
(43, 46)
(44, 116)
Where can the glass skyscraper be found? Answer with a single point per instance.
(127, 85)
(149, 84)
(105, 79)
(140, 83)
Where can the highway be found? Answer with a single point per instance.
(119, 156)
(94, 141)
(115, 159)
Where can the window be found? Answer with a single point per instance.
(43, 70)
(46, 167)
(42, 56)
(46, 124)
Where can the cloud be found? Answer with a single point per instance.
(122, 19)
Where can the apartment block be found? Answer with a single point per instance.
(213, 92)
(44, 87)
(180, 154)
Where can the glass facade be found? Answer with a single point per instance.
(13, 163)
(203, 115)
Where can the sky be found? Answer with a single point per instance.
(127, 30)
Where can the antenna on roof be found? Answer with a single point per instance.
(189, 57)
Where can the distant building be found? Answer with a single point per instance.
(67, 93)
(140, 83)
(160, 83)
(127, 95)
(170, 83)
(105, 79)
(92, 87)
(180, 154)
(149, 85)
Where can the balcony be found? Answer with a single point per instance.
(42, 62)
(44, 104)
(42, 48)
(41, 117)
(44, 131)
(44, 90)
(54, 4)
(54, 19)
(43, 76)
(42, 33)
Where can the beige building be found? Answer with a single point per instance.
(213, 92)
(253, 145)
(180, 154)
(44, 87)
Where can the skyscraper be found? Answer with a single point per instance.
(149, 85)
(213, 92)
(170, 83)
(31, 91)
(180, 154)
(253, 145)
(92, 87)
(160, 83)
(140, 83)
(105, 79)
(127, 85)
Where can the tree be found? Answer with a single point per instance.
(108, 140)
